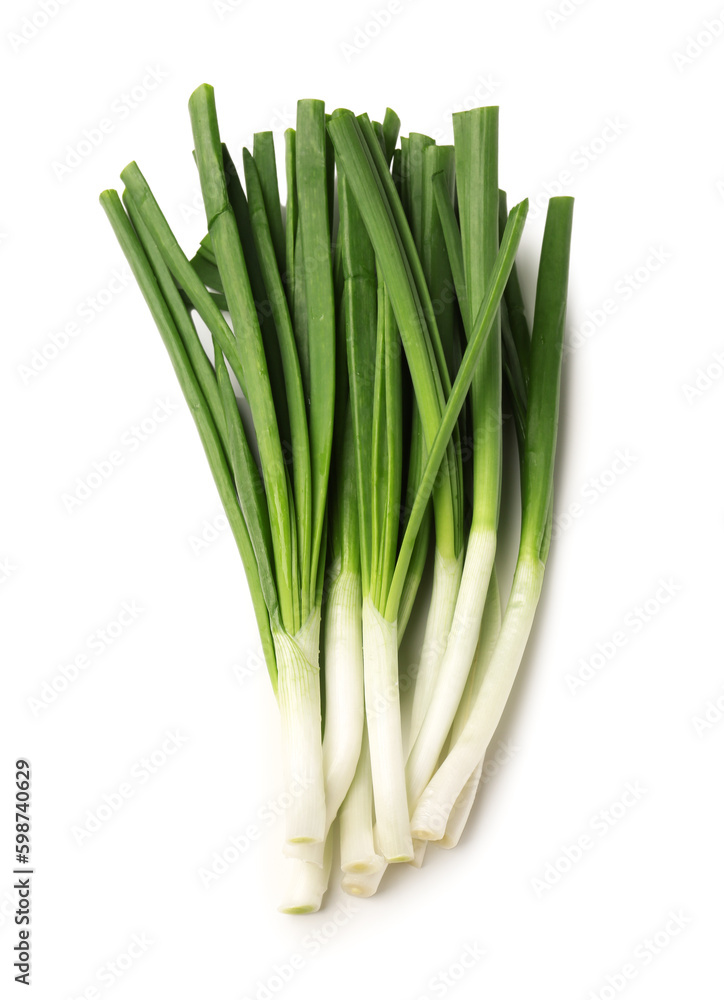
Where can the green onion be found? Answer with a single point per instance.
(433, 808)
(198, 405)
(476, 172)
(489, 631)
(424, 162)
(373, 326)
(358, 850)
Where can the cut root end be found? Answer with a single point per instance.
(297, 910)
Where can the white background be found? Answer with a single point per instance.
(188, 663)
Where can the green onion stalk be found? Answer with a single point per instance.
(471, 253)
(359, 854)
(433, 808)
(489, 631)
(439, 419)
(420, 162)
(343, 660)
(480, 332)
(376, 399)
(296, 537)
(283, 509)
(375, 329)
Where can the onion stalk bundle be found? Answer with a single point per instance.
(375, 328)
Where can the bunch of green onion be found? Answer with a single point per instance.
(377, 331)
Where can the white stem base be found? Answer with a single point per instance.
(301, 725)
(420, 847)
(363, 885)
(358, 853)
(460, 812)
(382, 702)
(307, 882)
(456, 662)
(437, 801)
(489, 631)
(344, 696)
(445, 585)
